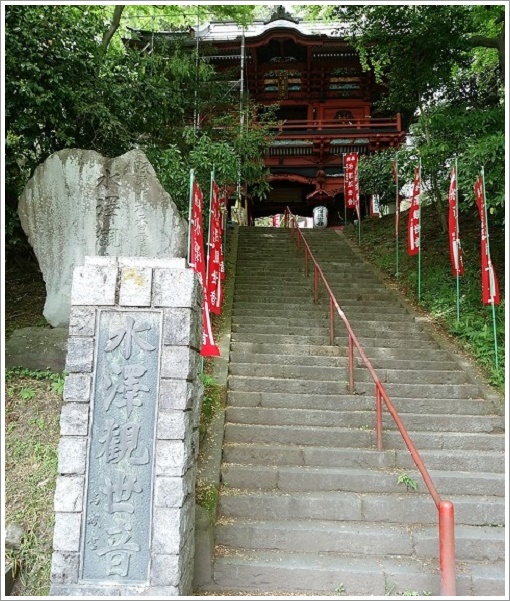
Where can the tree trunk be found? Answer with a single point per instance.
(114, 25)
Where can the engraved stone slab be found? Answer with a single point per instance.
(116, 539)
(79, 203)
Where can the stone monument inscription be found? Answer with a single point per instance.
(116, 534)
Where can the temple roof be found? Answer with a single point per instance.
(218, 31)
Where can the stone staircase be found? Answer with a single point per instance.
(307, 505)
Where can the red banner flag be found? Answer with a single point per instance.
(197, 262)
(351, 184)
(414, 223)
(453, 228)
(223, 220)
(490, 286)
(213, 288)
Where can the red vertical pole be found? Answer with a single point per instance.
(306, 262)
(298, 242)
(447, 548)
(378, 411)
(316, 285)
(331, 322)
(351, 365)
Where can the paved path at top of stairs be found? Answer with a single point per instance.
(307, 505)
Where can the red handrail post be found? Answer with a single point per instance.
(298, 242)
(331, 322)
(447, 548)
(315, 285)
(306, 262)
(351, 365)
(378, 413)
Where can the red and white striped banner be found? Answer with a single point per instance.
(197, 262)
(223, 222)
(453, 228)
(351, 184)
(214, 289)
(414, 222)
(490, 286)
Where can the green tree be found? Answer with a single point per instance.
(67, 85)
(442, 67)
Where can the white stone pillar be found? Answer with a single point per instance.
(125, 494)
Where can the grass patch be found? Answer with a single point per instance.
(32, 410)
(211, 402)
(474, 333)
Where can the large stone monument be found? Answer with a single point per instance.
(124, 499)
(79, 203)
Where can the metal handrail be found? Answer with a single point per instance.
(445, 508)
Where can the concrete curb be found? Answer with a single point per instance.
(486, 391)
(209, 465)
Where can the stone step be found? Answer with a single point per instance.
(393, 312)
(302, 401)
(317, 536)
(410, 364)
(241, 359)
(395, 352)
(283, 330)
(261, 384)
(299, 371)
(274, 294)
(310, 312)
(363, 538)
(333, 575)
(417, 422)
(314, 479)
(283, 304)
(298, 435)
(280, 339)
(412, 334)
(358, 402)
(416, 376)
(333, 436)
(312, 321)
(273, 348)
(446, 440)
(436, 391)
(254, 282)
(406, 507)
(403, 326)
(293, 455)
(277, 309)
(377, 345)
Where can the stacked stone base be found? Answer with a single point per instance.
(171, 291)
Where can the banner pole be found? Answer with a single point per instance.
(490, 268)
(421, 235)
(457, 236)
(191, 180)
(397, 218)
